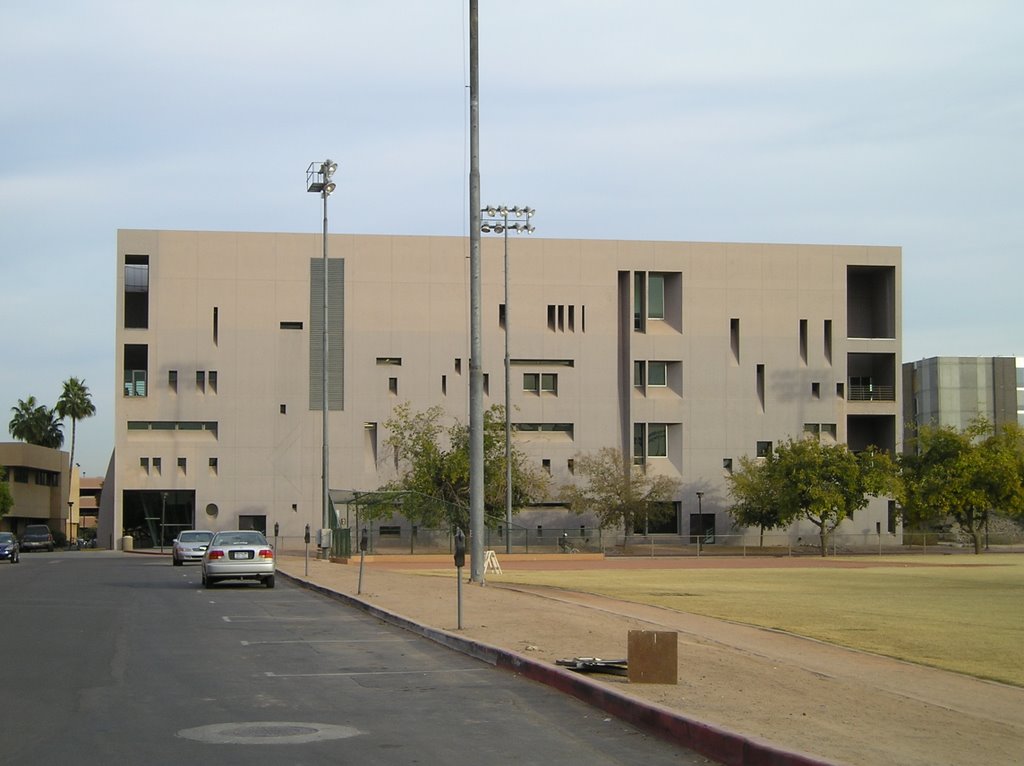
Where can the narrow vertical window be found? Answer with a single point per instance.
(551, 317)
(545, 465)
(561, 318)
(656, 296)
(803, 341)
(201, 381)
(370, 445)
(444, 385)
(172, 380)
(182, 466)
(828, 340)
(213, 380)
(760, 385)
(213, 466)
(572, 319)
(216, 326)
(734, 338)
(815, 390)
(501, 315)
(487, 384)
(393, 386)
(639, 443)
(639, 377)
(639, 300)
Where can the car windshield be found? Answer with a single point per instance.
(6, 537)
(239, 538)
(195, 537)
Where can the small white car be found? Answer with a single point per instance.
(190, 546)
(241, 554)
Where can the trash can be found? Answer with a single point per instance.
(127, 543)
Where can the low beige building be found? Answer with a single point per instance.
(38, 480)
(685, 355)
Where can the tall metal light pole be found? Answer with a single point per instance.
(700, 522)
(318, 181)
(496, 219)
(476, 385)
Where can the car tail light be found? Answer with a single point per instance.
(266, 553)
(215, 554)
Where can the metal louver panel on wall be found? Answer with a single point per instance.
(336, 333)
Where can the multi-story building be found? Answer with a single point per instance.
(38, 480)
(684, 355)
(955, 390)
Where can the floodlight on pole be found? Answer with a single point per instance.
(319, 181)
(495, 219)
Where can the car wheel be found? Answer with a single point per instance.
(176, 561)
(207, 582)
(269, 581)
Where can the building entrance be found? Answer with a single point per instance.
(154, 517)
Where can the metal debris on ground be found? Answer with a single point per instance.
(595, 665)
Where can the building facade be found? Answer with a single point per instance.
(684, 355)
(955, 390)
(38, 480)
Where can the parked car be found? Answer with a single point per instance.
(37, 537)
(240, 554)
(9, 547)
(190, 546)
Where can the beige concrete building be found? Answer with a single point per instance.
(685, 355)
(38, 480)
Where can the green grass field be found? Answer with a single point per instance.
(962, 613)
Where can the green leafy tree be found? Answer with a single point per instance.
(6, 500)
(619, 493)
(75, 402)
(433, 466)
(36, 423)
(805, 479)
(964, 474)
(756, 496)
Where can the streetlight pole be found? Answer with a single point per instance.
(496, 219)
(318, 181)
(700, 522)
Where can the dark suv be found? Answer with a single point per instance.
(36, 537)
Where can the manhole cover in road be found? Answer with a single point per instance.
(267, 733)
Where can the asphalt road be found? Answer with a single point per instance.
(120, 658)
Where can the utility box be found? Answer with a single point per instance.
(653, 657)
(127, 543)
(323, 538)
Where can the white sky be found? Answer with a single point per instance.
(892, 122)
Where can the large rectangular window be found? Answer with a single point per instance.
(136, 291)
(657, 440)
(657, 373)
(136, 364)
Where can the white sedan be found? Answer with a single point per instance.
(190, 546)
(241, 554)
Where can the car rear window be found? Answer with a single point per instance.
(195, 537)
(6, 537)
(240, 538)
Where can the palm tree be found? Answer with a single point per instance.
(76, 403)
(36, 424)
